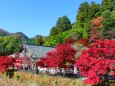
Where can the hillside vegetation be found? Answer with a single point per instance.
(93, 22)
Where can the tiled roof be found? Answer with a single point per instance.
(39, 51)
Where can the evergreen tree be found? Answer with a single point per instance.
(66, 24)
(74, 25)
(39, 40)
(113, 14)
(109, 20)
(108, 5)
(95, 10)
(83, 20)
(53, 31)
(63, 24)
(31, 41)
(59, 25)
(83, 15)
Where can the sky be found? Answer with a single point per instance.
(36, 17)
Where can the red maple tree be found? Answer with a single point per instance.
(98, 60)
(42, 62)
(62, 56)
(6, 62)
(19, 61)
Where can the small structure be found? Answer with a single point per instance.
(34, 53)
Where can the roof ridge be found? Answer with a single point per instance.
(41, 45)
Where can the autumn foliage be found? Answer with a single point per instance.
(69, 41)
(83, 41)
(42, 62)
(62, 56)
(97, 22)
(9, 62)
(6, 62)
(98, 60)
(19, 61)
(95, 27)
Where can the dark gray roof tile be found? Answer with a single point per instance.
(39, 51)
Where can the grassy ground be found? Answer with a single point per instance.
(29, 79)
(5, 81)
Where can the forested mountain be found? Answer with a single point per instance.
(38, 39)
(3, 32)
(19, 35)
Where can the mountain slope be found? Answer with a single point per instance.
(19, 35)
(3, 32)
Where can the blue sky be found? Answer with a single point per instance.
(33, 17)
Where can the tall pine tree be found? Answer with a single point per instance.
(108, 5)
(95, 10)
(83, 15)
(53, 31)
(63, 24)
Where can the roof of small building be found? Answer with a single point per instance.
(38, 51)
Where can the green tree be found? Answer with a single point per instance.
(66, 24)
(39, 40)
(63, 24)
(31, 41)
(113, 14)
(83, 15)
(9, 45)
(54, 40)
(74, 25)
(59, 25)
(83, 32)
(108, 5)
(53, 31)
(109, 20)
(95, 10)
